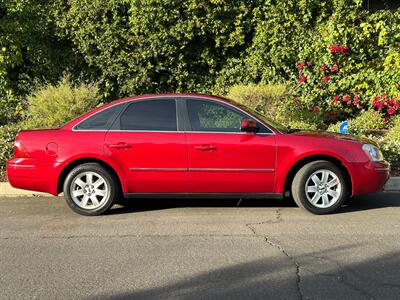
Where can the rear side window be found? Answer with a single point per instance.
(101, 120)
(150, 115)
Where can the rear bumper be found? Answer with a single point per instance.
(29, 174)
(370, 177)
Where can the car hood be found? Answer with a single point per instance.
(337, 136)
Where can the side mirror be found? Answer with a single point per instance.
(248, 125)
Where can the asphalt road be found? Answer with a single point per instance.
(203, 249)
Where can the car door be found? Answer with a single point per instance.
(221, 158)
(148, 145)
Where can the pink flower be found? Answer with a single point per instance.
(336, 99)
(333, 48)
(323, 68)
(356, 100)
(301, 65)
(303, 78)
(393, 103)
(325, 79)
(376, 102)
(391, 111)
(347, 99)
(338, 49)
(334, 68)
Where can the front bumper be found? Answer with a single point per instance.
(370, 177)
(29, 174)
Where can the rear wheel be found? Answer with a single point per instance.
(90, 189)
(320, 187)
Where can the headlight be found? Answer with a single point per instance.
(372, 152)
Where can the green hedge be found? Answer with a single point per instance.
(266, 99)
(391, 145)
(137, 46)
(54, 105)
(7, 138)
(49, 107)
(273, 101)
(367, 122)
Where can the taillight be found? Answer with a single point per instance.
(20, 150)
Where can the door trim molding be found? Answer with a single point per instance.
(230, 170)
(158, 169)
(201, 170)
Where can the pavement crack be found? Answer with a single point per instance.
(295, 263)
(278, 219)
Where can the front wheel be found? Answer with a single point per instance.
(320, 187)
(90, 189)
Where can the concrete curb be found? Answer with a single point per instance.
(6, 190)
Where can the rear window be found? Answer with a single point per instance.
(101, 120)
(150, 115)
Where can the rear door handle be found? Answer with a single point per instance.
(205, 148)
(120, 145)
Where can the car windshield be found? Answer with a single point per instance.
(262, 117)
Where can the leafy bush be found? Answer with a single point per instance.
(159, 45)
(10, 109)
(367, 122)
(265, 99)
(337, 56)
(394, 132)
(51, 106)
(303, 125)
(395, 121)
(390, 146)
(54, 105)
(273, 101)
(7, 137)
(30, 53)
(350, 65)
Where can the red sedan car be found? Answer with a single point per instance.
(191, 145)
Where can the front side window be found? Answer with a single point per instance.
(150, 115)
(210, 116)
(101, 120)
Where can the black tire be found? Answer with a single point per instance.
(109, 185)
(302, 178)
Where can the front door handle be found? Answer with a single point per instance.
(205, 148)
(120, 145)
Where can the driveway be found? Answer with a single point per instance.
(200, 249)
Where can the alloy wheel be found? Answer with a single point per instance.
(89, 190)
(323, 188)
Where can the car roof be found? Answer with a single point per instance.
(171, 95)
